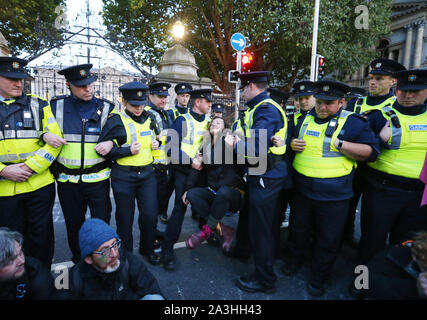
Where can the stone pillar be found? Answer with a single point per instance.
(419, 44)
(4, 49)
(408, 44)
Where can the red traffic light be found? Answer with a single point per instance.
(321, 62)
(247, 59)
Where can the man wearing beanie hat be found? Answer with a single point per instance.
(107, 273)
(391, 204)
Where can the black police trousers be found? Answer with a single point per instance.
(328, 219)
(31, 214)
(388, 212)
(165, 186)
(263, 214)
(75, 198)
(173, 229)
(141, 186)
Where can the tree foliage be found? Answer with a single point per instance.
(29, 26)
(279, 33)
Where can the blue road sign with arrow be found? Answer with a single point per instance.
(238, 41)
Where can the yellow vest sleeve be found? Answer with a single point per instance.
(45, 156)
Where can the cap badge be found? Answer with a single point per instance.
(164, 88)
(325, 88)
(378, 65)
(15, 65)
(83, 73)
(302, 88)
(139, 93)
(412, 77)
(182, 87)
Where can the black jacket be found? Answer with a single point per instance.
(35, 284)
(216, 174)
(132, 281)
(393, 275)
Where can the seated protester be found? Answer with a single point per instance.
(105, 273)
(223, 191)
(22, 278)
(399, 272)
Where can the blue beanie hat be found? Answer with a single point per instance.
(93, 233)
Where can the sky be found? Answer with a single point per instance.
(72, 54)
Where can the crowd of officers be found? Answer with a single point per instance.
(339, 144)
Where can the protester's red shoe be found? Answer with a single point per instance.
(197, 238)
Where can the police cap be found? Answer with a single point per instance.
(201, 93)
(330, 90)
(356, 92)
(253, 77)
(383, 66)
(13, 68)
(278, 95)
(411, 80)
(135, 93)
(217, 107)
(79, 75)
(303, 88)
(160, 88)
(181, 88)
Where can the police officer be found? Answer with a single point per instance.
(279, 96)
(393, 190)
(82, 175)
(354, 94)
(217, 110)
(163, 119)
(186, 139)
(263, 119)
(381, 81)
(182, 91)
(330, 141)
(27, 189)
(132, 175)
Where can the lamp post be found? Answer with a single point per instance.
(178, 30)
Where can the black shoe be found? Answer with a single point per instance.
(315, 290)
(290, 268)
(168, 261)
(153, 259)
(252, 285)
(214, 240)
(163, 218)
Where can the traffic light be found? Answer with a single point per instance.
(320, 67)
(247, 61)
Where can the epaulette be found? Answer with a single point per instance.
(362, 116)
(106, 100)
(60, 97)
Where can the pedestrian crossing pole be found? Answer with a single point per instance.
(313, 70)
(239, 69)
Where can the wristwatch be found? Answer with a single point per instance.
(340, 142)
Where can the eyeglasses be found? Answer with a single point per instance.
(107, 251)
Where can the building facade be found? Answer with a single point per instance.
(407, 43)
